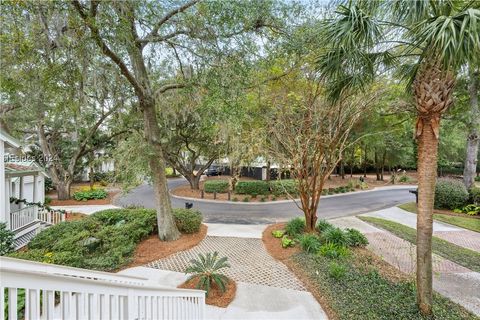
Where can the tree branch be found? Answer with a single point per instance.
(154, 32)
(103, 46)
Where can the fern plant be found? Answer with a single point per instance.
(206, 270)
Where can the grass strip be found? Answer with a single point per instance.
(466, 222)
(464, 257)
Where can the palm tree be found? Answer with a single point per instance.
(424, 41)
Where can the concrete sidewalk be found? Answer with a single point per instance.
(456, 235)
(86, 209)
(453, 281)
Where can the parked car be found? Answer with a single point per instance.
(214, 171)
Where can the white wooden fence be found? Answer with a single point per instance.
(57, 292)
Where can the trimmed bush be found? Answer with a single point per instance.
(6, 239)
(103, 241)
(450, 194)
(220, 186)
(85, 195)
(281, 187)
(252, 187)
(187, 220)
(295, 227)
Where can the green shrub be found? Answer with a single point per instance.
(246, 199)
(281, 187)
(336, 271)
(333, 251)
(287, 242)
(104, 241)
(356, 238)
(252, 187)
(90, 194)
(474, 195)
(450, 194)
(310, 243)
(220, 186)
(278, 233)
(336, 236)
(235, 199)
(322, 225)
(477, 179)
(295, 227)
(187, 220)
(273, 198)
(404, 178)
(6, 239)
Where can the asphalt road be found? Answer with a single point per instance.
(263, 213)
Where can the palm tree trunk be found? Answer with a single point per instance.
(427, 173)
(473, 137)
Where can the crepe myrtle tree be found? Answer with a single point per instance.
(424, 41)
(309, 134)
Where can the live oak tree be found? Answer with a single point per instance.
(141, 36)
(56, 93)
(427, 42)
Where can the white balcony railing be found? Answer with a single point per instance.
(23, 217)
(57, 292)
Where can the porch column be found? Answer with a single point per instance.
(35, 192)
(21, 196)
(4, 208)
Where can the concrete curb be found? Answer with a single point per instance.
(291, 201)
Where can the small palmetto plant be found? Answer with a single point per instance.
(205, 269)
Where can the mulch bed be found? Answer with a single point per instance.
(72, 202)
(363, 258)
(73, 216)
(216, 296)
(451, 213)
(152, 248)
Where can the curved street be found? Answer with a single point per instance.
(265, 213)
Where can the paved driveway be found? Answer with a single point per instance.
(265, 213)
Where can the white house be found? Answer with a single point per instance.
(22, 180)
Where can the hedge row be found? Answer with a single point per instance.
(219, 186)
(252, 187)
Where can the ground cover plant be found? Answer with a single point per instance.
(464, 257)
(103, 241)
(90, 194)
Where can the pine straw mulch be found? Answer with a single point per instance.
(362, 258)
(152, 248)
(74, 216)
(216, 296)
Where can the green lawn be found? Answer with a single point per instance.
(462, 222)
(464, 257)
(357, 290)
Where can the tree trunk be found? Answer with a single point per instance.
(377, 167)
(63, 190)
(167, 229)
(342, 169)
(427, 172)
(268, 177)
(384, 158)
(194, 181)
(473, 137)
(310, 221)
(365, 162)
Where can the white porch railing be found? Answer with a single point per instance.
(23, 217)
(57, 292)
